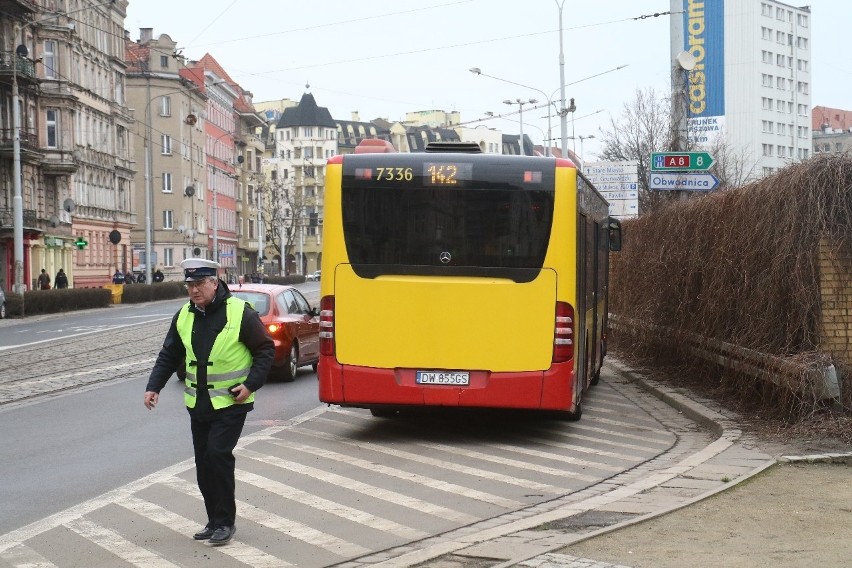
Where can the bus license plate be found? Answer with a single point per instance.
(443, 378)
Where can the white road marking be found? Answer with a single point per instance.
(370, 490)
(453, 489)
(328, 506)
(291, 528)
(244, 553)
(117, 544)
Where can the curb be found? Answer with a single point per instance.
(724, 428)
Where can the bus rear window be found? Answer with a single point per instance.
(478, 229)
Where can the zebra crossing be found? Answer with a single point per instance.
(337, 484)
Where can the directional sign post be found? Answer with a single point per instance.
(683, 181)
(681, 161)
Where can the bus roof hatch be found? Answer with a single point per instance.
(374, 146)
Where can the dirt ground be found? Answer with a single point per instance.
(791, 515)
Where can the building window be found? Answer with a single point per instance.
(767, 149)
(164, 61)
(766, 33)
(168, 219)
(168, 257)
(803, 20)
(167, 182)
(51, 121)
(767, 80)
(309, 132)
(779, 60)
(766, 9)
(166, 106)
(167, 144)
(49, 59)
(781, 83)
(766, 56)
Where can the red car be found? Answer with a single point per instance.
(290, 320)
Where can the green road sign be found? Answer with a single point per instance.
(681, 161)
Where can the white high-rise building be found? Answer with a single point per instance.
(746, 76)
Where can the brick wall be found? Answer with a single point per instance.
(835, 267)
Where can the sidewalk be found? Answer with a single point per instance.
(726, 504)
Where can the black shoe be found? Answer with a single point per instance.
(204, 533)
(222, 535)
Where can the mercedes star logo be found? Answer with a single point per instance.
(446, 257)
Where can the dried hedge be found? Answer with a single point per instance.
(739, 266)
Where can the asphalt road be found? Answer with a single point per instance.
(90, 477)
(71, 414)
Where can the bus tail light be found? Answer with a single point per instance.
(563, 333)
(326, 333)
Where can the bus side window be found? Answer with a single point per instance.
(614, 234)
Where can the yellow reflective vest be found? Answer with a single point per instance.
(228, 364)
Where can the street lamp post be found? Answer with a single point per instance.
(581, 138)
(521, 103)
(563, 124)
(478, 71)
(18, 200)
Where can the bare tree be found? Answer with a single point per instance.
(646, 126)
(734, 167)
(643, 127)
(283, 210)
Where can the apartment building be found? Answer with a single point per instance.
(170, 198)
(745, 69)
(75, 153)
(832, 130)
(305, 138)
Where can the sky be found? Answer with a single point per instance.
(384, 59)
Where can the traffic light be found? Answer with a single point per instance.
(81, 243)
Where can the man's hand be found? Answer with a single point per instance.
(240, 393)
(151, 399)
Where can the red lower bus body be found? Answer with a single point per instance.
(365, 387)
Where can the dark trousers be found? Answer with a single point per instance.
(214, 440)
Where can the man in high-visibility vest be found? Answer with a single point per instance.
(219, 347)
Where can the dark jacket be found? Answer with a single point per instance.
(205, 329)
(61, 280)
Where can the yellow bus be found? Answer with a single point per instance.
(460, 279)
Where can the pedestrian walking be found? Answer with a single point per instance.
(44, 280)
(219, 343)
(61, 279)
(118, 277)
(128, 277)
(158, 276)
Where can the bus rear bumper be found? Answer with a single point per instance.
(365, 387)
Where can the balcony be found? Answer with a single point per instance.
(19, 6)
(9, 63)
(7, 219)
(29, 144)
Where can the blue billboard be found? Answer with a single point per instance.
(704, 38)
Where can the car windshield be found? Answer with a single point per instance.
(257, 300)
